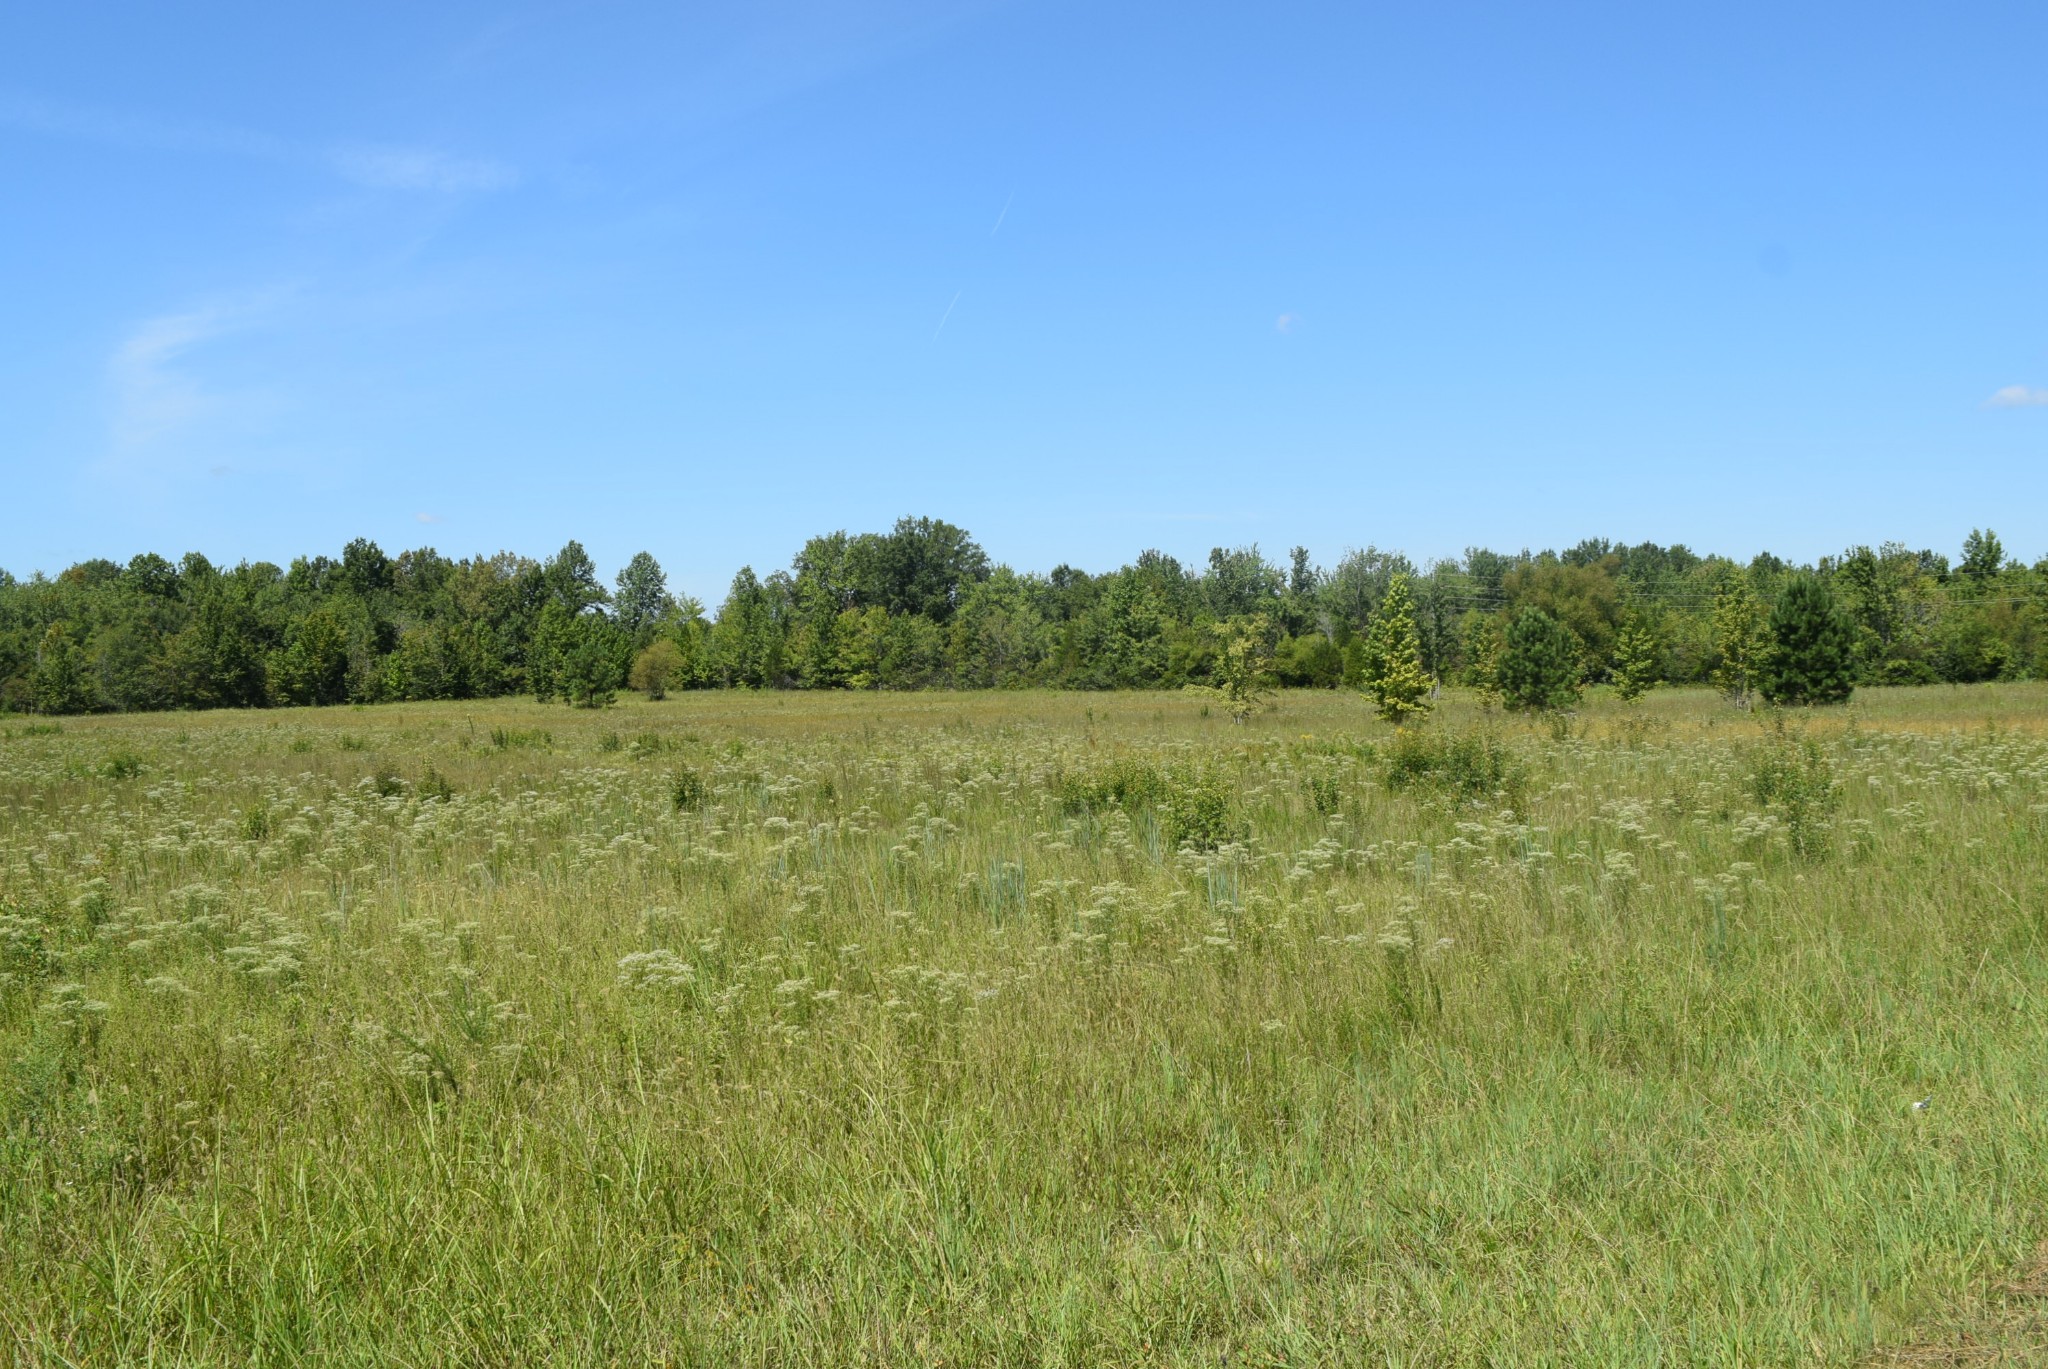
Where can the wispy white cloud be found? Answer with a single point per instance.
(428, 518)
(89, 124)
(159, 398)
(1286, 323)
(2017, 397)
(374, 165)
(152, 396)
(419, 168)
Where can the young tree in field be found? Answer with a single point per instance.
(659, 663)
(1241, 661)
(1483, 633)
(1635, 661)
(1539, 663)
(1393, 658)
(1741, 635)
(1811, 648)
(593, 662)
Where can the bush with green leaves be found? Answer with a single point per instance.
(1201, 810)
(686, 791)
(1471, 764)
(1795, 780)
(1635, 661)
(1125, 782)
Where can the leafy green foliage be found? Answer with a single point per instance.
(658, 664)
(1201, 810)
(920, 606)
(1242, 659)
(642, 602)
(1470, 764)
(1125, 782)
(1795, 780)
(686, 791)
(1741, 636)
(1636, 664)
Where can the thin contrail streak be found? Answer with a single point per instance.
(1005, 214)
(948, 314)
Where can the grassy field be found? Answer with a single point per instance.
(1020, 1029)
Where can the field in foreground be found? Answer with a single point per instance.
(1020, 1029)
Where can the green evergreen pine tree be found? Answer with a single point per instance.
(1393, 658)
(1539, 663)
(1635, 661)
(1809, 658)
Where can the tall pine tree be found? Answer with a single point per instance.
(1539, 663)
(1811, 646)
(1393, 658)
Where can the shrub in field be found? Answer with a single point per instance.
(1126, 782)
(509, 739)
(656, 667)
(1195, 804)
(1200, 810)
(686, 791)
(1796, 780)
(1468, 764)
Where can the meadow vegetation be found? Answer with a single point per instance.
(1024, 1028)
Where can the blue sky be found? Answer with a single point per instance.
(1085, 279)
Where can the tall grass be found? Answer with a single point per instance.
(1019, 1029)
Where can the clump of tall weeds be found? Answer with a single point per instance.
(1196, 805)
(1470, 764)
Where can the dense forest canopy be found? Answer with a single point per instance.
(921, 605)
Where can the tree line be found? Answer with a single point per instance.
(922, 606)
